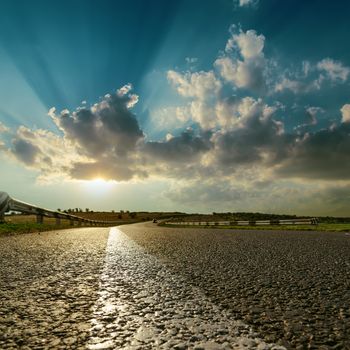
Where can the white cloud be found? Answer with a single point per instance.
(334, 70)
(44, 151)
(198, 84)
(249, 44)
(170, 118)
(312, 77)
(297, 86)
(124, 90)
(250, 71)
(203, 88)
(191, 60)
(312, 113)
(244, 3)
(247, 74)
(3, 128)
(345, 111)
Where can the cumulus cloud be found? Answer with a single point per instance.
(170, 118)
(100, 141)
(203, 89)
(244, 64)
(180, 149)
(256, 139)
(108, 128)
(43, 151)
(199, 84)
(249, 44)
(345, 111)
(107, 134)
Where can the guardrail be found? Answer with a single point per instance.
(7, 203)
(309, 221)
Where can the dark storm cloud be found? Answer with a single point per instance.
(107, 127)
(184, 148)
(107, 134)
(258, 138)
(25, 151)
(324, 154)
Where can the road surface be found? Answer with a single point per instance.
(146, 287)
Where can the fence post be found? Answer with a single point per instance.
(39, 219)
(71, 222)
(58, 221)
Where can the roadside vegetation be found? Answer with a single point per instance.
(319, 227)
(326, 223)
(21, 223)
(28, 227)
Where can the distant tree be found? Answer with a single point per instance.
(122, 212)
(133, 215)
(87, 210)
(58, 209)
(113, 211)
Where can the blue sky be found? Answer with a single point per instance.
(243, 104)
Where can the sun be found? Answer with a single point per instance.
(99, 185)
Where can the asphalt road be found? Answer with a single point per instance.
(145, 287)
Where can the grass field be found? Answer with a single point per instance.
(27, 227)
(319, 227)
(27, 223)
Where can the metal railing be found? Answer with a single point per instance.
(10, 204)
(308, 221)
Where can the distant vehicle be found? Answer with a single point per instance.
(155, 221)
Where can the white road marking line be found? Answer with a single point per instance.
(142, 304)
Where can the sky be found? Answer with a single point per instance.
(186, 105)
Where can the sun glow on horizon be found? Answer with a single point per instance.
(98, 185)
